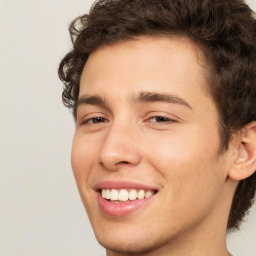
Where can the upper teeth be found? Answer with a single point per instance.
(125, 195)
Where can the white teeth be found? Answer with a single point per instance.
(149, 193)
(114, 194)
(133, 195)
(141, 194)
(124, 195)
(103, 193)
(107, 194)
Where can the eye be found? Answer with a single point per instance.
(92, 124)
(160, 119)
(160, 122)
(95, 120)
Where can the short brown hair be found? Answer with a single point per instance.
(224, 30)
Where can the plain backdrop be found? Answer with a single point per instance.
(40, 210)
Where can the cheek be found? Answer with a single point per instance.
(82, 159)
(82, 156)
(190, 167)
(177, 151)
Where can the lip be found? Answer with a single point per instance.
(124, 208)
(122, 184)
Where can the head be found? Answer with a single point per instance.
(221, 37)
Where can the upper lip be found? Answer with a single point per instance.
(113, 184)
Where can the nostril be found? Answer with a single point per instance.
(123, 162)
(118, 164)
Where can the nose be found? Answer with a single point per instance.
(120, 148)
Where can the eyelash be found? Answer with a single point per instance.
(91, 120)
(164, 119)
(158, 120)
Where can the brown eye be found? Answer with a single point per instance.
(96, 120)
(160, 119)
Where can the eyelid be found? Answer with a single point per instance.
(92, 118)
(168, 122)
(164, 117)
(167, 115)
(89, 116)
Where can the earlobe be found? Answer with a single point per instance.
(245, 163)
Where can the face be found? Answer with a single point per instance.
(147, 139)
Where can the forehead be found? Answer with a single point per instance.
(162, 64)
(146, 54)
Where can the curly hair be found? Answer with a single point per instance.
(225, 31)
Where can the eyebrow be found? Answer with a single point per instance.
(147, 97)
(91, 100)
(152, 97)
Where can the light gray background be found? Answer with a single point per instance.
(40, 209)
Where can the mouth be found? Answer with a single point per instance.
(123, 198)
(125, 195)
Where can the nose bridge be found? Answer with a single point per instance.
(119, 146)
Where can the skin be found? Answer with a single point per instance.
(178, 154)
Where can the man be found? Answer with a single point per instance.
(163, 94)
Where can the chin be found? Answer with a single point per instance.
(137, 241)
(134, 246)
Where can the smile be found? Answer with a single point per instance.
(125, 195)
(122, 198)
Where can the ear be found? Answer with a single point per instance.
(245, 163)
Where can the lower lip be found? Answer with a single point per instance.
(121, 209)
